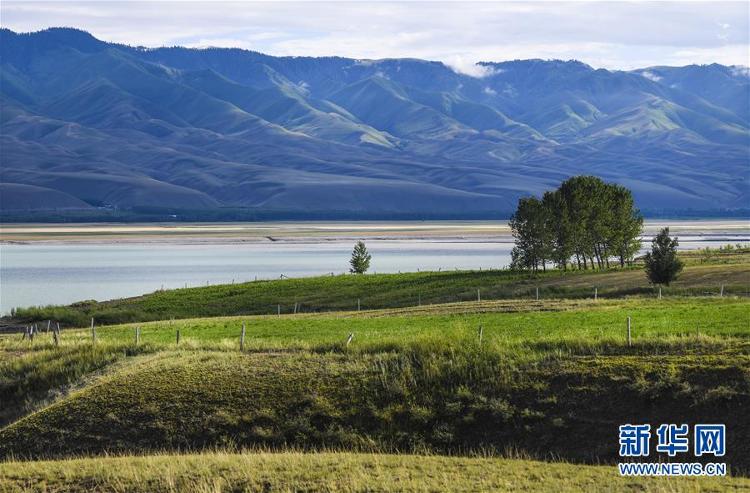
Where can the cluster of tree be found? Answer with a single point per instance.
(585, 223)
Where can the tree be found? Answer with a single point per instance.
(662, 264)
(531, 229)
(360, 260)
(561, 248)
(627, 226)
(581, 195)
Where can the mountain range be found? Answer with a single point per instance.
(91, 125)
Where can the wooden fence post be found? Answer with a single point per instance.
(537, 293)
(659, 292)
(596, 294)
(358, 305)
(481, 333)
(55, 338)
(721, 293)
(630, 340)
(48, 324)
(419, 299)
(178, 337)
(295, 307)
(242, 337)
(137, 335)
(479, 296)
(349, 340)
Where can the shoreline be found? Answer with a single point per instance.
(321, 232)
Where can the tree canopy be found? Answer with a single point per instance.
(360, 260)
(585, 222)
(662, 264)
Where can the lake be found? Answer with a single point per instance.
(66, 270)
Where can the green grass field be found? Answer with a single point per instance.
(704, 275)
(505, 325)
(545, 380)
(333, 472)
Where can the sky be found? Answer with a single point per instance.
(604, 34)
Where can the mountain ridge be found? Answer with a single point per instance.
(115, 126)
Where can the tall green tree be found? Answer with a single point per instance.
(626, 227)
(360, 260)
(561, 248)
(581, 194)
(662, 264)
(531, 229)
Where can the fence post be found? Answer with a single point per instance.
(419, 299)
(630, 341)
(358, 305)
(137, 335)
(721, 293)
(659, 292)
(349, 340)
(537, 293)
(93, 330)
(479, 296)
(242, 337)
(481, 333)
(178, 337)
(596, 294)
(48, 324)
(55, 338)
(295, 307)
(278, 310)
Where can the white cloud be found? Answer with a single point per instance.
(462, 65)
(220, 43)
(651, 76)
(489, 91)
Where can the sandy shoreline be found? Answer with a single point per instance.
(319, 232)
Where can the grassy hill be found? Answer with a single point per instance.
(704, 275)
(333, 472)
(416, 379)
(487, 385)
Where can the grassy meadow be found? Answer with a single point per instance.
(333, 472)
(704, 275)
(403, 397)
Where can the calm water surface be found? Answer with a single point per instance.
(55, 273)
